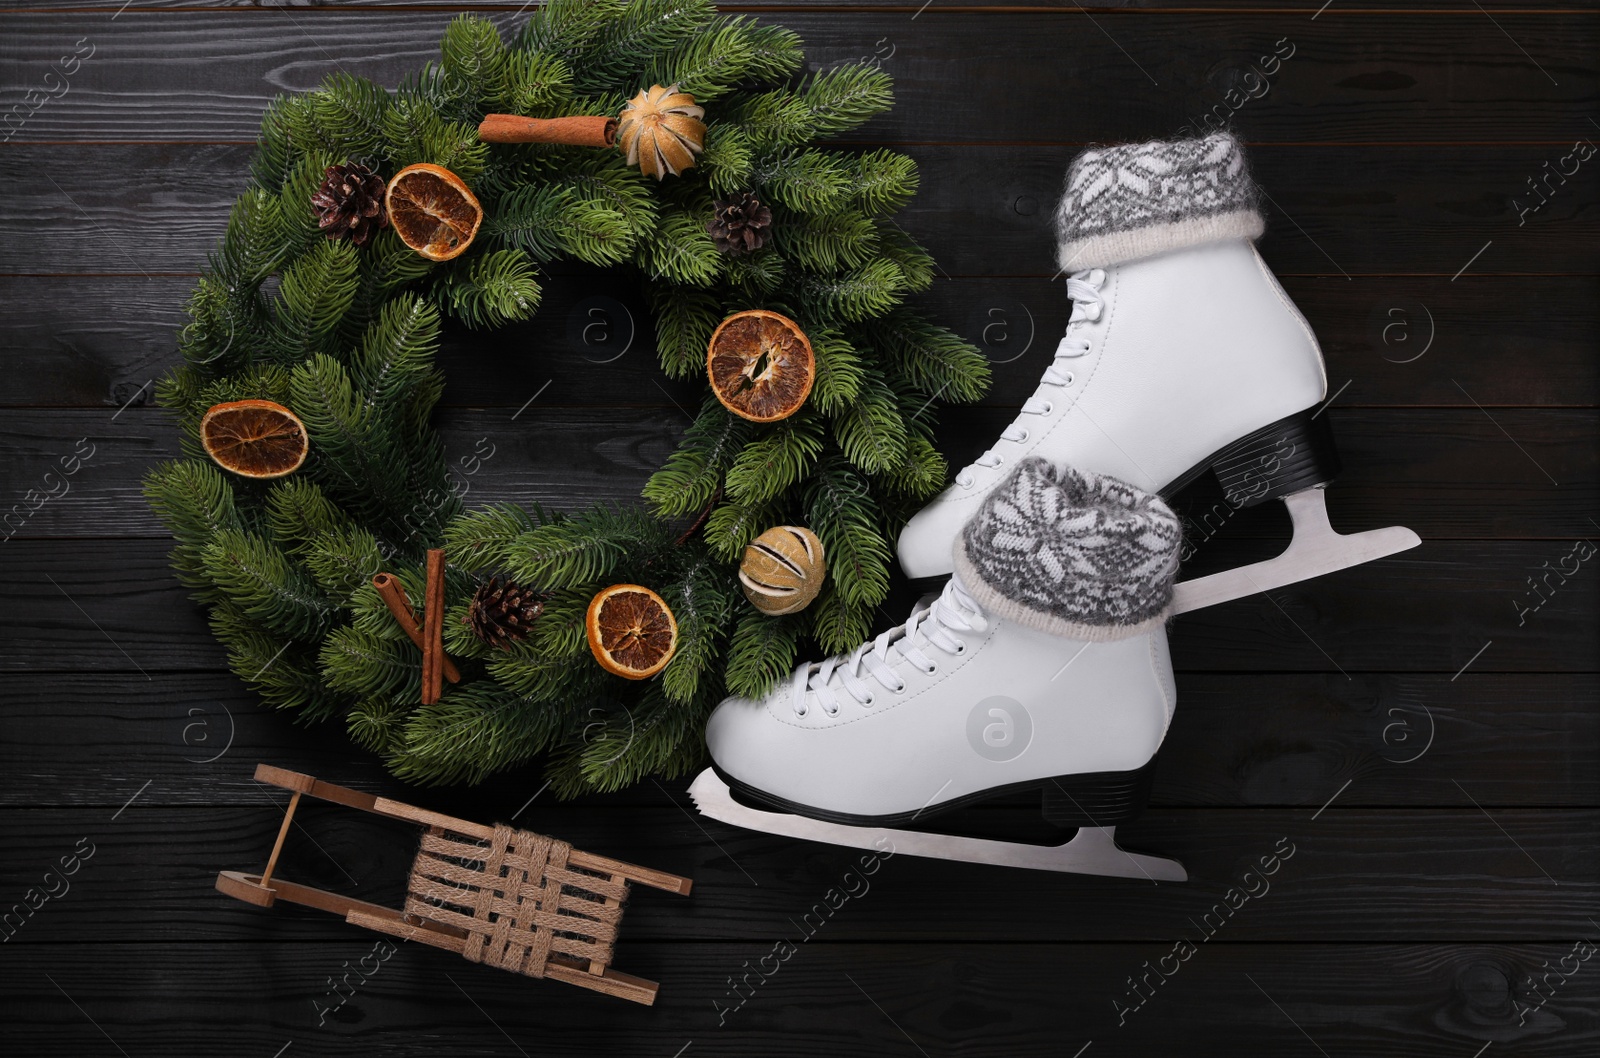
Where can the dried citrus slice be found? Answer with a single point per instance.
(255, 438)
(432, 211)
(761, 365)
(631, 631)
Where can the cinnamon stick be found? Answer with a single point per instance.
(576, 131)
(433, 628)
(393, 594)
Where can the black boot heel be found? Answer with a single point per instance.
(1291, 455)
(1098, 799)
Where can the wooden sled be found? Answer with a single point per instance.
(509, 898)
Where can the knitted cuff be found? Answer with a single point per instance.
(1125, 203)
(1074, 554)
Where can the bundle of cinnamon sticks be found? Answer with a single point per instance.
(428, 635)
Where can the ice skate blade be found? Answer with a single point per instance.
(1315, 549)
(1093, 850)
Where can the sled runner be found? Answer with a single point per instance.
(509, 898)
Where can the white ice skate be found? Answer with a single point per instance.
(1182, 355)
(1042, 666)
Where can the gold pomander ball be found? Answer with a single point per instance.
(783, 569)
(660, 131)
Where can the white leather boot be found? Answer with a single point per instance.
(1182, 355)
(1043, 666)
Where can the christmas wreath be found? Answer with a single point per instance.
(773, 272)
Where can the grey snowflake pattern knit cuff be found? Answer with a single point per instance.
(1075, 554)
(1125, 203)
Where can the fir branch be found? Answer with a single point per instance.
(761, 652)
(728, 161)
(845, 98)
(535, 84)
(354, 453)
(685, 318)
(573, 552)
(416, 129)
(884, 181)
(732, 526)
(266, 586)
(472, 54)
(341, 561)
(841, 511)
(806, 181)
(396, 352)
(869, 430)
(196, 503)
(701, 604)
(655, 737)
(282, 671)
(696, 467)
(549, 221)
(933, 359)
(916, 264)
(481, 540)
(349, 113)
(759, 275)
(492, 289)
(839, 626)
(313, 297)
(255, 242)
(363, 664)
(774, 462)
(472, 732)
(826, 242)
(378, 723)
(682, 250)
(859, 294)
(298, 513)
(840, 372)
(535, 677)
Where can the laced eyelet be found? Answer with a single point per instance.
(801, 713)
(831, 712)
(902, 688)
(1025, 435)
(961, 648)
(1070, 379)
(1049, 408)
(931, 669)
(870, 699)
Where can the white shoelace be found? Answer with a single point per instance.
(1087, 304)
(952, 612)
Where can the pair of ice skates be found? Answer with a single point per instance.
(1043, 664)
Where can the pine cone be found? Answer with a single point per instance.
(350, 202)
(503, 612)
(741, 224)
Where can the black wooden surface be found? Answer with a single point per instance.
(1427, 744)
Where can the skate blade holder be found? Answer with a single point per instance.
(1315, 549)
(1092, 850)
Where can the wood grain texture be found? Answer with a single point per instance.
(1425, 468)
(116, 608)
(119, 332)
(1259, 741)
(1425, 874)
(206, 76)
(982, 210)
(1426, 738)
(1428, 1001)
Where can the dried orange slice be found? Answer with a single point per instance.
(631, 631)
(432, 211)
(761, 365)
(255, 438)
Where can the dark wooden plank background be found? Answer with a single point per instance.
(1429, 745)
